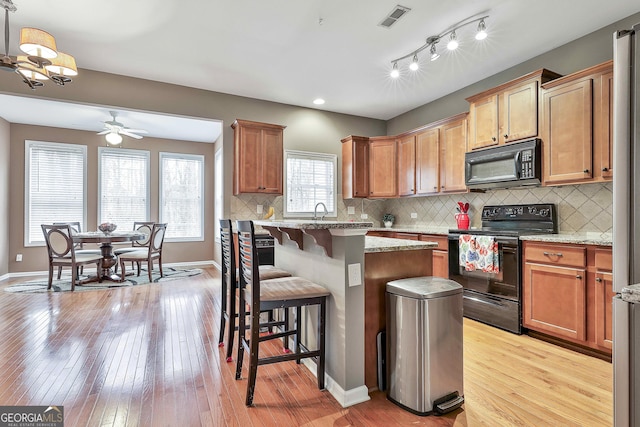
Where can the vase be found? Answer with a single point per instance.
(463, 221)
(388, 224)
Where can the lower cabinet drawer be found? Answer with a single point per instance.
(556, 254)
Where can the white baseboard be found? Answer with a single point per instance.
(344, 397)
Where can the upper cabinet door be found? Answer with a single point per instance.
(519, 118)
(407, 166)
(428, 162)
(382, 168)
(272, 153)
(454, 139)
(483, 119)
(355, 167)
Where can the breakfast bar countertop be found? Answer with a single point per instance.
(387, 244)
(301, 224)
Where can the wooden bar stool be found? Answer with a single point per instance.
(284, 292)
(228, 310)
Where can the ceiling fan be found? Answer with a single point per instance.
(114, 130)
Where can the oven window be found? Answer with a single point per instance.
(498, 169)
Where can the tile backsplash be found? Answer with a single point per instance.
(581, 208)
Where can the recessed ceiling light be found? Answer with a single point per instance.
(318, 101)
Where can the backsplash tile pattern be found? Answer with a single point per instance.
(581, 208)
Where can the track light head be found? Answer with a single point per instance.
(433, 54)
(395, 73)
(414, 63)
(482, 30)
(453, 41)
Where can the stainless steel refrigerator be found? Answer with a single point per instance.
(626, 226)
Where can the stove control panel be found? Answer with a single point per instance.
(537, 212)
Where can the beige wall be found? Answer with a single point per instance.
(34, 258)
(4, 196)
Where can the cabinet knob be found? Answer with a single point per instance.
(578, 276)
(598, 279)
(493, 138)
(586, 171)
(435, 188)
(605, 169)
(442, 186)
(506, 136)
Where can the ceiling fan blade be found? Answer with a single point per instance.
(135, 130)
(104, 132)
(132, 135)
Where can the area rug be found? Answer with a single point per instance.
(64, 284)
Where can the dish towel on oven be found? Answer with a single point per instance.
(478, 253)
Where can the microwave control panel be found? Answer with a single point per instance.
(527, 168)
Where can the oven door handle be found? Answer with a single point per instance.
(483, 301)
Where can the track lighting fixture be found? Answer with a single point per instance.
(432, 41)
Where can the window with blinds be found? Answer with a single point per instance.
(55, 186)
(182, 196)
(310, 178)
(218, 193)
(123, 186)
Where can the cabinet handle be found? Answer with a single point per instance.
(586, 171)
(598, 279)
(578, 276)
(605, 169)
(493, 138)
(552, 253)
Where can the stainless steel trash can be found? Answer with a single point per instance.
(424, 344)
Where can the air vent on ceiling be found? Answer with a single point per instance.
(397, 13)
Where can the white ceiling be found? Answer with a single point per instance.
(294, 51)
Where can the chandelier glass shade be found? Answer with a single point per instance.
(431, 43)
(42, 60)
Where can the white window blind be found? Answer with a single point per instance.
(182, 196)
(123, 186)
(310, 179)
(55, 186)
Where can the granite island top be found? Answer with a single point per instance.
(588, 238)
(301, 224)
(387, 244)
(422, 229)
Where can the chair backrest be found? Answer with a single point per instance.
(228, 253)
(59, 240)
(157, 238)
(75, 228)
(249, 270)
(143, 227)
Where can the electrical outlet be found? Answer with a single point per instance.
(364, 216)
(351, 210)
(414, 215)
(259, 209)
(355, 278)
(19, 258)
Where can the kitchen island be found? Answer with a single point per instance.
(355, 269)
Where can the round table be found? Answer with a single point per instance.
(106, 241)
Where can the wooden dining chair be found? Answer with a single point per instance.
(62, 253)
(148, 254)
(229, 285)
(142, 227)
(79, 247)
(285, 293)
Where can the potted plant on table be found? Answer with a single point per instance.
(388, 220)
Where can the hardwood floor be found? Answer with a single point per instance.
(149, 356)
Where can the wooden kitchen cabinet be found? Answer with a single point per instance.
(440, 255)
(406, 157)
(428, 161)
(577, 127)
(567, 293)
(382, 167)
(258, 150)
(355, 167)
(506, 113)
(452, 149)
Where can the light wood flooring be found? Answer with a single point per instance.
(149, 356)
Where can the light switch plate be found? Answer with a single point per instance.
(414, 215)
(351, 210)
(355, 278)
(259, 209)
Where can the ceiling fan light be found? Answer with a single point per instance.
(113, 138)
(63, 65)
(39, 43)
(453, 42)
(414, 63)
(30, 70)
(482, 31)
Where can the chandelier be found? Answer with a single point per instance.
(432, 42)
(42, 61)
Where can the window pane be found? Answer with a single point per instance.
(181, 195)
(55, 186)
(124, 186)
(310, 180)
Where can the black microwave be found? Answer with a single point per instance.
(511, 165)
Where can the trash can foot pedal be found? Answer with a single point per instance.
(448, 403)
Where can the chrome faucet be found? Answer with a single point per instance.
(315, 211)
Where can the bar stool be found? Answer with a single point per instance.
(228, 310)
(284, 292)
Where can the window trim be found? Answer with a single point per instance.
(146, 154)
(27, 183)
(314, 155)
(201, 159)
(218, 199)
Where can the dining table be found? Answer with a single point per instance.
(106, 241)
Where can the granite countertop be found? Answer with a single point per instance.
(387, 244)
(422, 229)
(589, 238)
(313, 225)
(631, 293)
